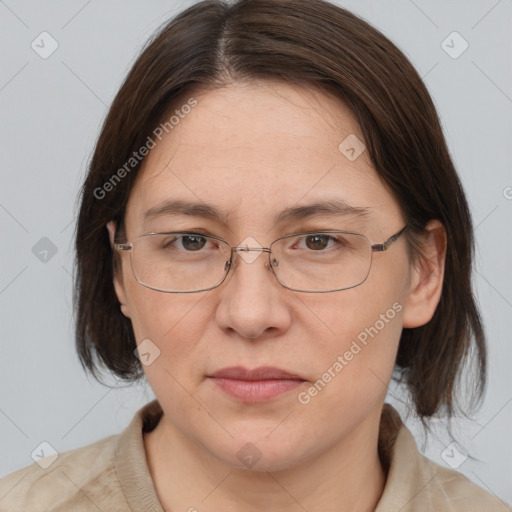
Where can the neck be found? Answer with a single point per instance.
(347, 477)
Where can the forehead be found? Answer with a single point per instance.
(244, 119)
(257, 148)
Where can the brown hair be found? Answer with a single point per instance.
(306, 43)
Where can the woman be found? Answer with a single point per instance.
(271, 228)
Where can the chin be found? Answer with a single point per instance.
(260, 454)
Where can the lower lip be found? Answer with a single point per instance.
(256, 390)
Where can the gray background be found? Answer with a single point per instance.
(52, 110)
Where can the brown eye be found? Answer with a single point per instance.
(193, 242)
(317, 242)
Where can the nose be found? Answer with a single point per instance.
(252, 302)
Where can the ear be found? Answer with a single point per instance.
(426, 279)
(118, 275)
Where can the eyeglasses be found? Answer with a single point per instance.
(314, 262)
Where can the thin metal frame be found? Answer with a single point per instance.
(128, 246)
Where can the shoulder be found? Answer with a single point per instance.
(454, 488)
(418, 484)
(76, 480)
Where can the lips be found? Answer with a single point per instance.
(257, 385)
(262, 373)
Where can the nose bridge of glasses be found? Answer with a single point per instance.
(243, 249)
(248, 254)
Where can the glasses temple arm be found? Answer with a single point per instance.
(382, 247)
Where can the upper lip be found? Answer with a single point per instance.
(261, 373)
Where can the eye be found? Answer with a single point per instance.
(186, 242)
(317, 241)
(322, 243)
(193, 242)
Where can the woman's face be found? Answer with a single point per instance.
(252, 151)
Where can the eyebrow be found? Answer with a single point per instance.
(200, 209)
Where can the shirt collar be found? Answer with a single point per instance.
(408, 477)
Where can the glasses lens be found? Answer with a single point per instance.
(179, 262)
(322, 261)
(314, 262)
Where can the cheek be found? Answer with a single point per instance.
(154, 314)
(362, 313)
(355, 358)
(174, 323)
(354, 370)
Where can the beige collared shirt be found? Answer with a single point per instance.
(112, 475)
